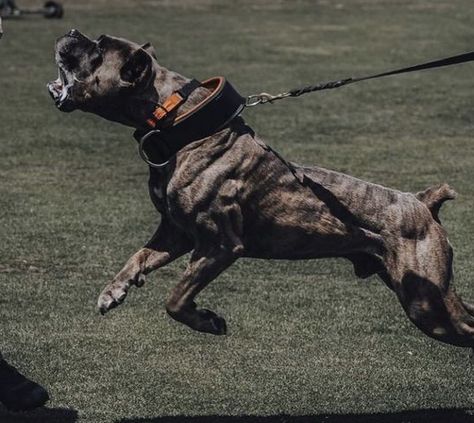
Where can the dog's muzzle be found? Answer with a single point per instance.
(61, 88)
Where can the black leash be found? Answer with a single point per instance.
(225, 103)
(263, 98)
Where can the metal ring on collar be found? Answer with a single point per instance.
(144, 156)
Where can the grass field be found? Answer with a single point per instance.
(74, 206)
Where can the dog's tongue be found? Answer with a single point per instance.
(56, 85)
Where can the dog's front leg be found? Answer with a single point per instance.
(205, 265)
(167, 244)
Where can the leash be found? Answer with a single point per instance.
(171, 131)
(262, 98)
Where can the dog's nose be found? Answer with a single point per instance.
(74, 33)
(77, 36)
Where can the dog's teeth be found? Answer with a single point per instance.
(65, 91)
(63, 94)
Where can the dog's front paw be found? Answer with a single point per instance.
(114, 293)
(111, 297)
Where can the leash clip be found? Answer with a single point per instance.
(262, 98)
(144, 156)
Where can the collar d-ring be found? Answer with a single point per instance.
(144, 156)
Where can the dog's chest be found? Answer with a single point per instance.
(157, 189)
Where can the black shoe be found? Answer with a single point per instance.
(17, 393)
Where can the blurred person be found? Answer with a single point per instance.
(18, 393)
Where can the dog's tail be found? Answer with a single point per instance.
(434, 197)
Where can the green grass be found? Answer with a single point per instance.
(306, 338)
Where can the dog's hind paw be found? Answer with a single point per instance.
(212, 323)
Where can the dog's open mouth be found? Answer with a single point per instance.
(60, 91)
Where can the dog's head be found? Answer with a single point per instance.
(100, 75)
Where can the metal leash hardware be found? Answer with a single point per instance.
(262, 98)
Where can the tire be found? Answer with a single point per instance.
(53, 10)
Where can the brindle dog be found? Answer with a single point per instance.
(230, 196)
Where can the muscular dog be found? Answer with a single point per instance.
(229, 196)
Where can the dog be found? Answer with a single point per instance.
(229, 196)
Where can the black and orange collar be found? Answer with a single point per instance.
(169, 131)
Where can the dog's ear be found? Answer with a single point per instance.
(150, 50)
(137, 69)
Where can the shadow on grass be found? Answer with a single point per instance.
(41, 415)
(412, 416)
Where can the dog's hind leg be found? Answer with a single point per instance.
(206, 263)
(439, 314)
(167, 244)
(420, 274)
